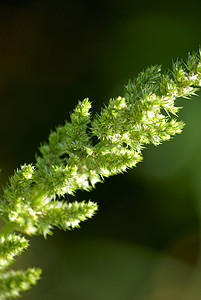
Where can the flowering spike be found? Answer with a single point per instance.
(81, 153)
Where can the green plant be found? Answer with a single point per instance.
(82, 153)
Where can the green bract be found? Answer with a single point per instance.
(81, 153)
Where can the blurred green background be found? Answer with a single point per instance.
(144, 242)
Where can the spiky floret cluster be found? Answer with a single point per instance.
(81, 153)
(14, 282)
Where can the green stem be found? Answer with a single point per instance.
(36, 198)
(8, 228)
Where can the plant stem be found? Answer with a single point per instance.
(8, 228)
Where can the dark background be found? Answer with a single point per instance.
(144, 242)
